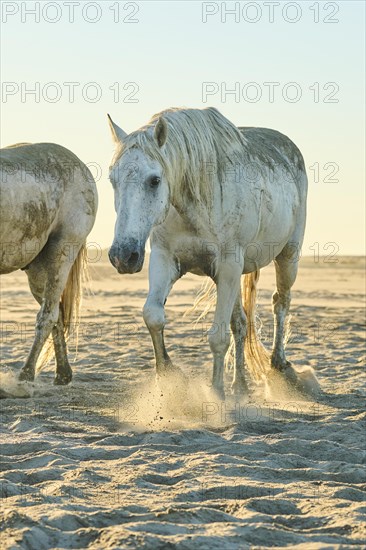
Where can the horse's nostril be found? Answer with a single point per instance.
(113, 259)
(134, 258)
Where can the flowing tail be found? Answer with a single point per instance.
(257, 356)
(70, 305)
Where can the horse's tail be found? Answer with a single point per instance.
(257, 356)
(71, 297)
(70, 305)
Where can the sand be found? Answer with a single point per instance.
(111, 461)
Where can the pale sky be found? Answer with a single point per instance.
(164, 58)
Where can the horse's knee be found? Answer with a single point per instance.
(154, 316)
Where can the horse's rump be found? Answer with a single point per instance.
(40, 160)
(43, 186)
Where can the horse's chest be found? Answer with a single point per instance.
(190, 252)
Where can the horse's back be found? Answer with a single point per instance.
(267, 138)
(40, 184)
(274, 148)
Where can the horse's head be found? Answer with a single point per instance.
(141, 198)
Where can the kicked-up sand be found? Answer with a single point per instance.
(114, 461)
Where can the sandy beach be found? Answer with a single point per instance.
(111, 461)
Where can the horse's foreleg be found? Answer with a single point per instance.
(286, 271)
(162, 275)
(239, 329)
(228, 287)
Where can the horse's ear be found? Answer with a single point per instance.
(161, 131)
(118, 134)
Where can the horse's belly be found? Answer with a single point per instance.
(261, 254)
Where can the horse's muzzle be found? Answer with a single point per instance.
(127, 258)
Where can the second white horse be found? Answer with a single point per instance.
(216, 200)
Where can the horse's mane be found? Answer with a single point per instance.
(201, 144)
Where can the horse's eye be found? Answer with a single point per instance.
(154, 181)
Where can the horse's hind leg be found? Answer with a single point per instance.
(228, 287)
(239, 327)
(37, 280)
(286, 265)
(51, 266)
(63, 369)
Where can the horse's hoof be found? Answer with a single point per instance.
(26, 375)
(302, 379)
(62, 379)
(281, 367)
(219, 393)
(239, 388)
(289, 373)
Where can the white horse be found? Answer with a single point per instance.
(216, 200)
(48, 207)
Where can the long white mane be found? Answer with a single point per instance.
(201, 143)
